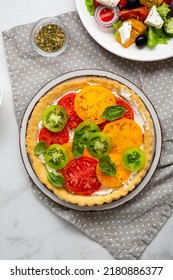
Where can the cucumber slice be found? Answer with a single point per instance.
(168, 26)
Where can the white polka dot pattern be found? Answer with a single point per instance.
(127, 230)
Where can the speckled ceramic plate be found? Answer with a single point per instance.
(105, 38)
(82, 73)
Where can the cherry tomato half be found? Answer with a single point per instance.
(50, 137)
(80, 176)
(67, 102)
(106, 15)
(96, 4)
(122, 3)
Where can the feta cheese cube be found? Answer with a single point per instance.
(125, 31)
(154, 19)
(109, 3)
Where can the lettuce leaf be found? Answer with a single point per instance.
(156, 36)
(163, 10)
(90, 6)
(116, 26)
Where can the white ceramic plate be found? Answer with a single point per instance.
(82, 73)
(105, 38)
(0, 95)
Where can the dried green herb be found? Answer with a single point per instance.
(50, 38)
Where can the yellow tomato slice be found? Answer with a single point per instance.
(91, 101)
(124, 133)
(120, 177)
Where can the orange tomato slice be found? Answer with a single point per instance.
(91, 101)
(124, 133)
(86, 153)
(120, 177)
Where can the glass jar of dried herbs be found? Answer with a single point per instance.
(49, 37)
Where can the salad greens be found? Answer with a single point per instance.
(163, 10)
(90, 6)
(158, 36)
(116, 25)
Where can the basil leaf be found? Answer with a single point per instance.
(77, 149)
(57, 180)
(78, 145)
(114, 112)
(40, 148)
(107, 166)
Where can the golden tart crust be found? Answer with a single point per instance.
(76, 84)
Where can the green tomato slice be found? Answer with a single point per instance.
(99, 144)
(56, 156)
(81, 136)
(133, 159)
(86, 128)
(54, 118)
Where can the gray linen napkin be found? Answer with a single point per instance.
(124, 231)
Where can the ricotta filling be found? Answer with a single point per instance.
(139, 118)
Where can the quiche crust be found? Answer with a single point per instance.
(39, 167)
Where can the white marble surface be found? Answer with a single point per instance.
(28, 229)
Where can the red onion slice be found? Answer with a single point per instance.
(108, 23)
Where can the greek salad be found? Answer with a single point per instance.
(140, 22)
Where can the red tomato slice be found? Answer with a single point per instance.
(67, 102)
(50, 137)
(128, 114)
(122, 3)
(139, 13)
(102, 125)
(80, 176)
(106, 15)
(168, 2)
(96, 4)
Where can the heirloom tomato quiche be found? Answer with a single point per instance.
(90, 140)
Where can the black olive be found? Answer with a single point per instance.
(131, 4)
(141, 40)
